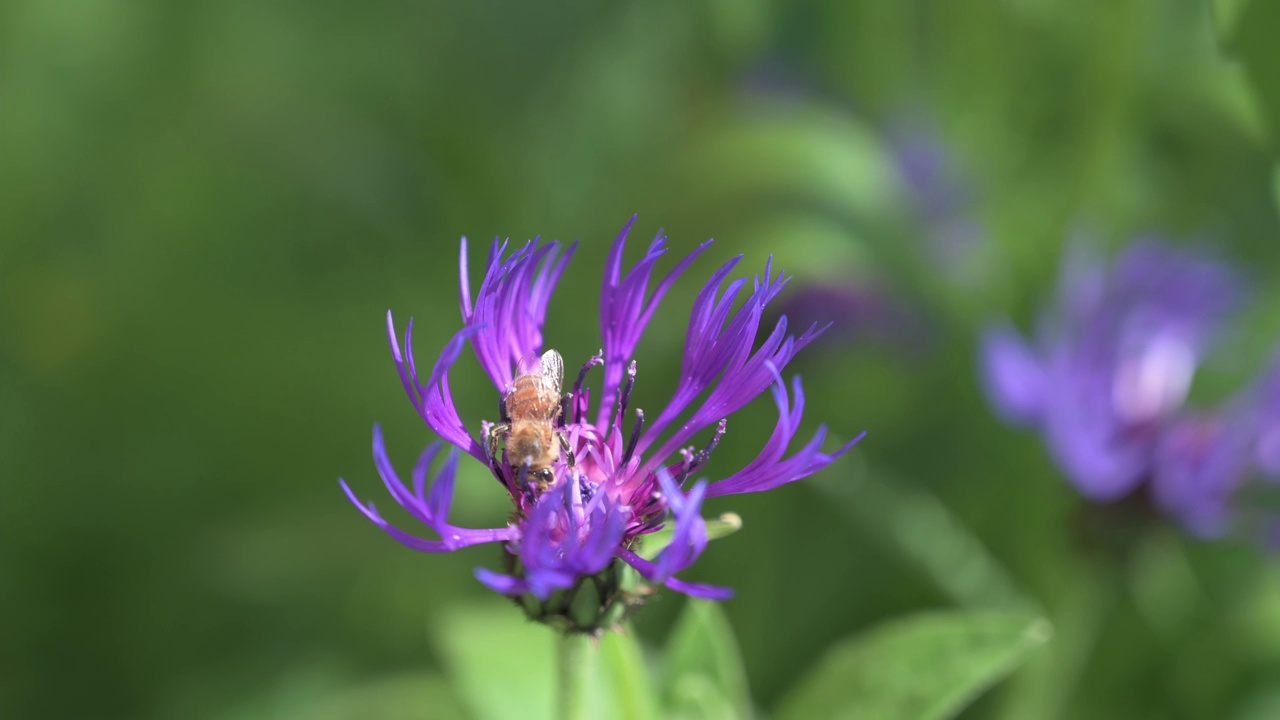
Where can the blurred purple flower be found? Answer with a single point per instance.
(1204, 462)
(1264, 409)
(1109, 370)
(858, 312)
(1200, 464)
(625, 484)
(940, 195)
(925, 165)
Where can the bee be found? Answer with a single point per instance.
(528, 416)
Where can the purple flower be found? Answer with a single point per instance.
(1108, 372)
(629, 477)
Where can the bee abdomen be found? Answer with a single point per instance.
(532, 397)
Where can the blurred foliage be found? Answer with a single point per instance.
(927, 667)
(209, 206)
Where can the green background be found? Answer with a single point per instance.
(208, 207)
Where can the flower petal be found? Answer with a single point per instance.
(1012, 375)
(511, 306)
(649, 572)
(432, 512)
(624, 309)
(1200, 464)
(432, 399)
(769, 469)
(743, 374)
(689, 538)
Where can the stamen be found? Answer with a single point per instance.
(702, 456)
(693, 462)
(624, 397)
(596, 359)
(635, 437)
(581, 401)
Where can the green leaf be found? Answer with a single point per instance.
(1045, 685)
(1226, 17)
(927, 534)
(703, 674)
(625, 677)
(1253, 43)
(925, 667)
(503, 666)
(313, 694)
(808, 153)
(500, 664)
(1162, 583)
(696, 697)
(1275, 187)
(1262, 705)
(577, 684)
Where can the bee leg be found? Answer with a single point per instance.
(566, 401)
(491, 445)
(564, 445)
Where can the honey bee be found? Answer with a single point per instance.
(528, 415)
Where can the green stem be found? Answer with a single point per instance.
(574, 658)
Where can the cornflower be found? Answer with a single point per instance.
(1113, 362)
(1107, 378)
(569, 541)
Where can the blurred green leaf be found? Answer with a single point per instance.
(738, 27)
(698, 698)
(919, 668)
(812, 154)
(1162, 582)
(1264, 705)
(413, 696)
(1226, 15)
(578, 689)
(500, 664)
(702, 670)
(1256, 617)
(1275, 187)
(504, 666)
(630, 689)
(1252, 41)
(1045, 685)
(925, 532)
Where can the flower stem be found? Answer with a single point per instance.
(574, 655)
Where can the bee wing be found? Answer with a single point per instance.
(552, 366)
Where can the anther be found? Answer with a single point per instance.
(624, 397)
(693, 462)
(701, 457)
(635, 437)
